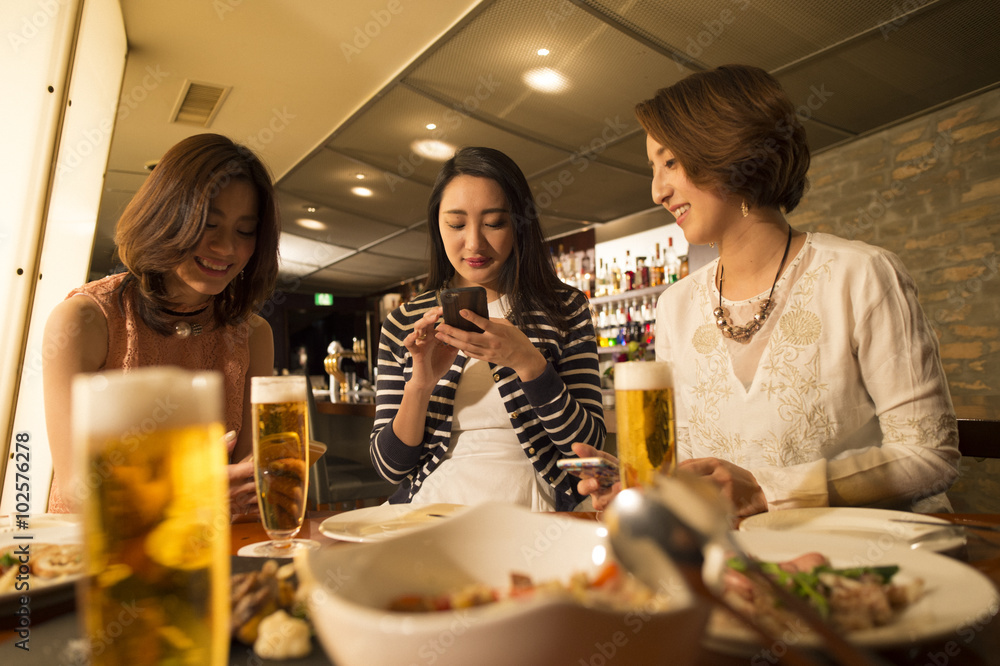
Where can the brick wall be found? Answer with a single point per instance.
(929, 190)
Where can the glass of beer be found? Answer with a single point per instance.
(152, 469)
(281, 460)
(644, 408)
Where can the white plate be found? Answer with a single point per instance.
(377, 523)
(875, 525)
(955, 597)
(44, 528)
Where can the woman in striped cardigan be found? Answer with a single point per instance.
(464, 417)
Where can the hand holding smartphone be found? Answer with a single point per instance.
(605, 471)
(464, 298)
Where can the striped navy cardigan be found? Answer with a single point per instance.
(549, 413)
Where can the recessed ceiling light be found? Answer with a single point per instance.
(430, 126)
(310, 209)
(546, 79)
(433, 149)
(310, 224)
(543, 52)
(359, 176)
(361, 191)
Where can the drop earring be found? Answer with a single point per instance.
(745, 208)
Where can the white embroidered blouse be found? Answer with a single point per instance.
(839, 400)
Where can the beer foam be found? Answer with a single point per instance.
(269, 390)
(145, 399)
(643, 376)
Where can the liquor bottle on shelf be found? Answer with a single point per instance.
(615, 273)
(641, 273)
(622, 329)
(571, 275)
(671, 264)
(656, 269)
(628, 273)
(685, 268)
(647, 310)
(602, 327)
(601, 288)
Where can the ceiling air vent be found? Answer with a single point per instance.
(198, 103)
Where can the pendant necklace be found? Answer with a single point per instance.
(744, 333)
(183, 329)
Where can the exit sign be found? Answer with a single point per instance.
(324, 299)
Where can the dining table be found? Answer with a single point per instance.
(975, 644)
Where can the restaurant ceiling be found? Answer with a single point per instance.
(330, 91)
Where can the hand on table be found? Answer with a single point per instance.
(601, 496)
(735, 483)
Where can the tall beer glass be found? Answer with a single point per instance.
(156, 516)
(281, 458)
(644, 405)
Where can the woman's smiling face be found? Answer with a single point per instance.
(225, 247)
(476, 230)
(701, 214)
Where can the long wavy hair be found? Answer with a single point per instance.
(734, 129)
(162, 225)
(527, 278)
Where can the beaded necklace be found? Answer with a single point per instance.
(744, 333)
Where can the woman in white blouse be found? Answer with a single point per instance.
(805, 371)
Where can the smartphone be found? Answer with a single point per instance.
(605, 471)
(464, 298)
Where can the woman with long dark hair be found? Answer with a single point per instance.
(466, 417)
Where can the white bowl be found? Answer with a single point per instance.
(348, 588)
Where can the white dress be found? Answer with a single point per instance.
(485, 462)
(839, 399)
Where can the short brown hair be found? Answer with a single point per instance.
(165, 220)
(734, 129)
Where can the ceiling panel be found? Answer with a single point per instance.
(631, 150)
(590, 192)
(483, 68)
(344, 229)
(765, 33)
(381, 265)
(328, 178)
(851, 67)
(384, 135)
(413, 244)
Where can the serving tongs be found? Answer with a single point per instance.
(676, 520)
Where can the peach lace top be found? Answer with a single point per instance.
(132, 344)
